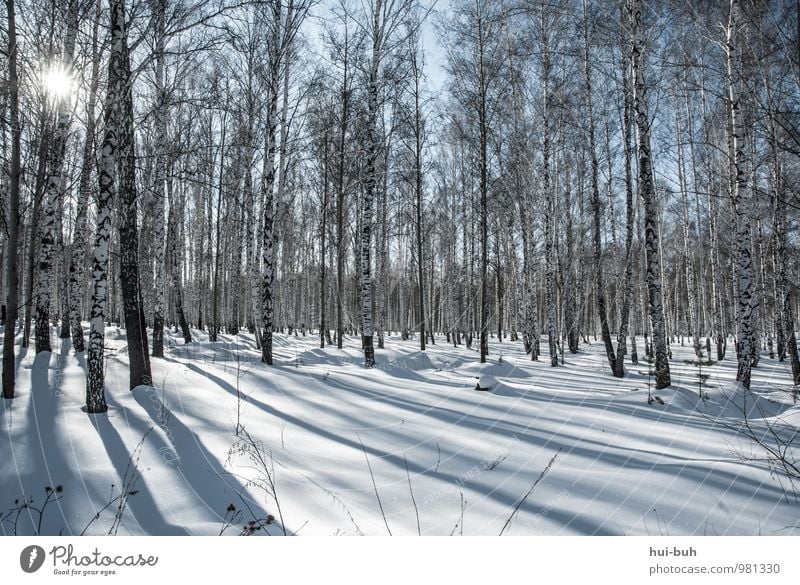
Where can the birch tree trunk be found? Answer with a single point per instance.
(740, 200)
(34, 229)
(252, 230)
(268, 188)
(778, 250)
(159, 191)
(340, 196)
(550, 260)
(648, 194)
(341, 181)
(615, 361)
(13, 218)
(383, 239)
(688, 265)
(128, 233)
(174, 239)
(45, 276)
(630, 210)
(416, 73)
(483, 310)
(323, 235)
(213, 330)
(109, 183)
(78, 252)
(284, 60)
(378, 31)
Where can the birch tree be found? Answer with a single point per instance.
(45, 277)
(746, 344)
(615, 361)
(630, 210)
(416, 61)
(13, 217)
(128, 230)
(383, 21)
(77, 269)
(283, 29)
(158, 194)
(547, 188)
(648, 193)
(110, 181)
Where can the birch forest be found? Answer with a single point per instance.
(555, 178)
(419, 267)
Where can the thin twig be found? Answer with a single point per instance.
(256, 453)
(525, 497)
(129, 483)
(413, 501)
(463, 507)
(97, 514)
(375, 487)
(460, 522)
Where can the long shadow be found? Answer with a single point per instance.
(493, 421)
(18, 357)
(570, 444)
(417, 409)
(48, 466)
(142, 505)
(409, 375)
(575, 445)
(21, 355)
(7, 405)
(580, 524)
(688, 397)
(80, 357)
(207, 479)
(601, 404)
(326, 434)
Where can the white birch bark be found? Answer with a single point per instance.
(159, 182)
(80, 236)
(53, 192)
(740, 200)
(549, 219)
(371, 153)
(108, 187)
(268, 187)
(648, 194)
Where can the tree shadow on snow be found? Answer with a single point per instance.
(143, 505)
(210, 484)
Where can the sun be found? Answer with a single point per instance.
(57, 82)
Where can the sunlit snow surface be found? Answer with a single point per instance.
(416, 420)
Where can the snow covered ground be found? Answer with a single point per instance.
(409, 446)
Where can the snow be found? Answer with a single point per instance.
(327, 428)
(486, 381)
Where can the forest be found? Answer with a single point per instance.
(593, 196)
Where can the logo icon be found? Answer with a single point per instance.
(31, 558)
